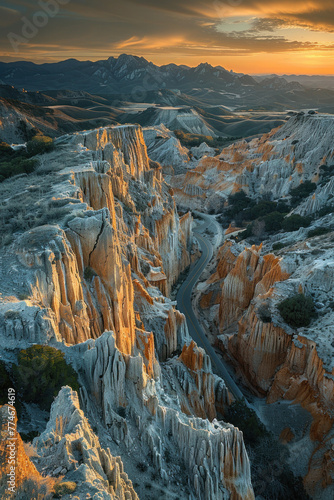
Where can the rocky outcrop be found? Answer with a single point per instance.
(80, 274)
(97, 282)
(250, 276)
(277, 360)
(164, 147)
(209, 394)
(217, 464)
(16, 467)
(273, 164)
(202, 150)
(68, 447)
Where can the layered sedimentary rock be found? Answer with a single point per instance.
(97, 282)
(279, 361)
(274, 163)
(250, 276)
(68, 447)
(213, 453)
(80, 274)
(205, 393)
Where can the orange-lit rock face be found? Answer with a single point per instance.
(250, 276)
(274, 163)
(276, 360)
(96, 279)
(225, 262)
(122, 224)
(12, 453)
(192, 357)
(259, 348)
(202, 400)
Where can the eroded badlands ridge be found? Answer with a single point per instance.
(247, 282)
(96, 284)
(274, 163)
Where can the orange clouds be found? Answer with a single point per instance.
(250, 36)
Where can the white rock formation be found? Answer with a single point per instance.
(108, 263)
(212, 453)
(69, 447)
(202, 150)
(274, 164)
(165, 148)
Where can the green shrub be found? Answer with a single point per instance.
(326, 172)
(244, 208)
(243, 235)
(190, 140)
(238, 202)
(297, 311)
(301, 192)
(141, 467)
(64, 488)
(262, 208)
(263, 313)
(39, 144)
(34, 489)
(278, 246)
(243, 417)
(16, 166)
(41, 372)
(20, 161)
(273, 222)
(5, 383)
(328, 209)
(6, 149)
(294, 222)
(319, 231)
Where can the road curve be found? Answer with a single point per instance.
(184, 305)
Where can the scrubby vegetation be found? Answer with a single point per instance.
(33, 489)
(243, 417)
(326, 172)
(238, 202)
(243, 209)
(40, 373)
(273, 222)
(192, 140)
(295, 222)
(265, 216)
(5, 383)
(22, 161)
(301, 192)
(278, 246)
(64, 488)
(272, 478)
(297, 311)
(319, 231)
(39, 144)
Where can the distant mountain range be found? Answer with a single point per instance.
(122, 74)
(74, 95)
(133, 79)
(125, 73)
(311, 81)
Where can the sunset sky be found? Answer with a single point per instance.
(247, 36)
